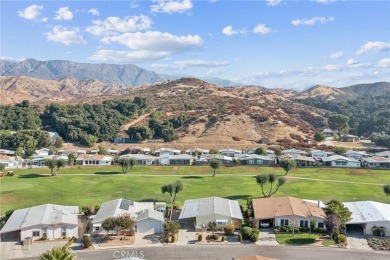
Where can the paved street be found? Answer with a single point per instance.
(228, 252)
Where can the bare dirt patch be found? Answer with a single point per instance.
(105, 241)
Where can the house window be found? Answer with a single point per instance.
(36, 234)
(303, 223)
(97, 228)
(259, 161)
(251, 161)
(284, 222)
(44, 232)
(321, 225)
(63, 231)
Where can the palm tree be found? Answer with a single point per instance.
(58, 253)
(214, 164)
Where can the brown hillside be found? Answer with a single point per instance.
(323, 92)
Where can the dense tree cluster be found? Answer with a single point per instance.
(81, 121)
(19, 117)
(381, 139)
(27, 140)
(369, 114)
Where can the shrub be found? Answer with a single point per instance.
(43, 238)
(200, 238)
(173, 238)
(342, 238)
(304, 229)
(254, 237)
(212, 226)
(321, 230)
(276, 230)
(212, 237)
(223, 238)
(87, 241)
(378, 231)
(229, 230)
(239, 238)
(246, 232)
(296, 230)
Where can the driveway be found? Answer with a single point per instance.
(358, 241)
(146, 240)
(187, 237)
(10, 250)
(267, 237)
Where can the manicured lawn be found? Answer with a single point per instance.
(328, 242)
(296, 239)
(81, 186)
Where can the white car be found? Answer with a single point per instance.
(264, 225)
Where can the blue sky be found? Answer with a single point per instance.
(288, 44)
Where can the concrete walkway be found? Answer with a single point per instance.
(267, 237)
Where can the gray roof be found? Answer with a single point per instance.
(244, 157)
(114, 208)
(47, 214)
(209, 206)
(337, 158)
(368, 212)
(384, 153)
(150, 213)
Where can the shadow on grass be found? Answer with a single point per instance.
(238, 197)
(33, 175)
(300, 241)
(108, 173)
(192, 177)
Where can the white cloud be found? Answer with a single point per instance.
(373, 47)
(330, 67)
(336, 55)
(384, 63)
(228, 30)
(134, 4)
(44, 19)
(116, 24)
(352, 62)
(31, 12)
(64, 14)
(178, 65)
(273, 2)
(65, 36)
(325, 1)
(262, 29)
(169, 6)
(312, 21)
(94, 11)
(150, 45)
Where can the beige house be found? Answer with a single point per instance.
(283, 211)
(199, 212)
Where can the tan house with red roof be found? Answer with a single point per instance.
(282, 211)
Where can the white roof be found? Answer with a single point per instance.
(368, 212)
(322, 205)
(384, 153)
(150, 214)
(356, 152)
(210, 206)
(180, 157)
(47, 214)
(230, 150)
(293, 151)
(139, 156)
(338, 158)
(117, 207)
(254, 156)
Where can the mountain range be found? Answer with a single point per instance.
(126, 75)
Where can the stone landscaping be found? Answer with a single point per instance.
(379, 243)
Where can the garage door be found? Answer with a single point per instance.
(149, 227)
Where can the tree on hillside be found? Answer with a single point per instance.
(102, 150)
(109, 224)
(334, 207)
(214, 164)
(125, 163)
(172, 189)
(338, 122)
(261, 151)
(88, 140)
(339, 150)
(125, 222)
(287, 165)
(58, 253)
(51, 164)
(213, 151)
(58, 142)
(140, 133)
(332, 224)
(386, 189)
(319, 136)
(264, 179)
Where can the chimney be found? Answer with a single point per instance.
(318, 203)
